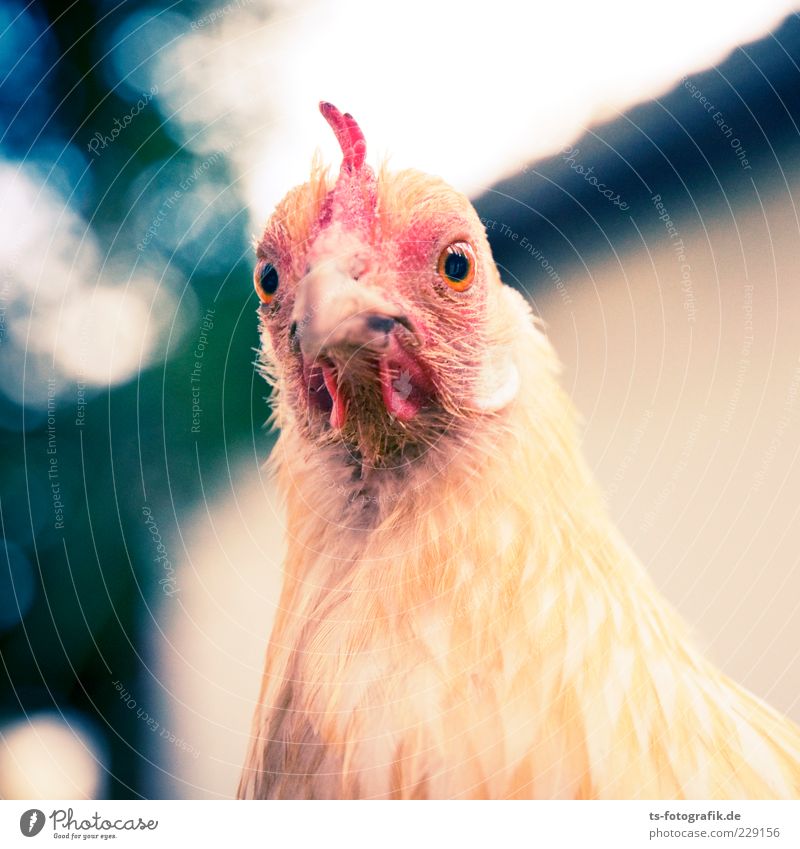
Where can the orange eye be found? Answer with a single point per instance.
(266, 282)
(456, 266)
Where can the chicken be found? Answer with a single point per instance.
(459, 616)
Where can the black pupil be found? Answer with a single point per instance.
(269, 280)
(456, 266)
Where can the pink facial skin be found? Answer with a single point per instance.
(375, 242)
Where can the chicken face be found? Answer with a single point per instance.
(384, 321)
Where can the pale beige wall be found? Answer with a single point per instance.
(695, 436)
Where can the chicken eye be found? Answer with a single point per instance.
(457, 266)
(266, 282)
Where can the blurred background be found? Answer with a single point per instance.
(637, 168)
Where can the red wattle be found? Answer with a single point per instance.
(339, 407)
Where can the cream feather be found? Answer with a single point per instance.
(488, 634)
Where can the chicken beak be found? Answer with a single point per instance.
(332, 310)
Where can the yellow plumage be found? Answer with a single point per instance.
(489, 635)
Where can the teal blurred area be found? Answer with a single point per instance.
(127, 336)
(140, 147)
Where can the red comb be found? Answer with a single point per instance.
(348, 134)
(352, 200)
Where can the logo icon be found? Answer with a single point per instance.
(402, 385)
(31, 822)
